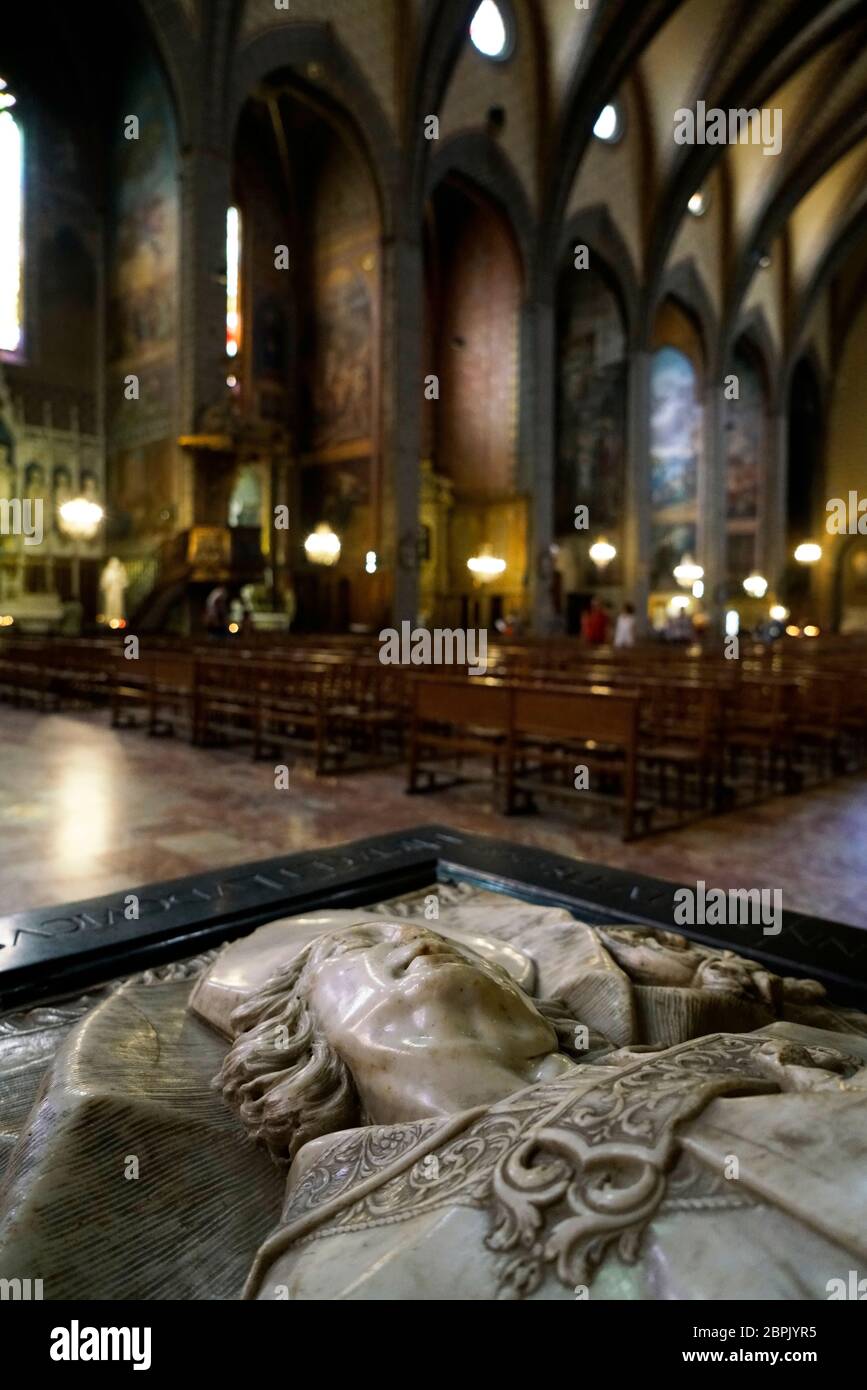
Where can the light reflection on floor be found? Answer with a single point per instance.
(86, 810)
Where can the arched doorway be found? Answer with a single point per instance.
(308, 365)
(469, 500)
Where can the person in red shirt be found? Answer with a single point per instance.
(594, 624)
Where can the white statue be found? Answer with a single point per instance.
(448, 1136)
(513, 1105)
(113, 583)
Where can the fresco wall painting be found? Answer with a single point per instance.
(746, 442)
(142, 308)
(591, 416)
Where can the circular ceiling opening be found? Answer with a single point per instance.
(489, 33)
(609, 125)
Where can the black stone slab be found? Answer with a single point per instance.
(832, 952)
(55, 951)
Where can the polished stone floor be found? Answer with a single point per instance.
(85, 810)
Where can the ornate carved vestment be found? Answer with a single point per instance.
(564, 1169)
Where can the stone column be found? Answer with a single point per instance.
(402, 395)
(773, 537)
(205, 196)
(538, 451)
(711, 539)
(101, 363)
(636, 503)
(280, 557)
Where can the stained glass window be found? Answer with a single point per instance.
(608, 124)
(233, 282)
(11, 223)
(676, 424)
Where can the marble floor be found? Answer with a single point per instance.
(85, 809)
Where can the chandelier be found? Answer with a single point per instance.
(322, 546)
(602, 552)
(485, 566)
(756, 585)
(81, 518)
(687, 572)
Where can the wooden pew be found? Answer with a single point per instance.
(291, 711)
(527, 739)
(816, 720)
(27, 674)
(787, 710)
(757, 723)
(552, 732)
(160, 684)
(456, 718)
(367, 713)
(681, 735)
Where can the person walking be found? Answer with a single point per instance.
(217, 611)
(594, 624)
(624, 628)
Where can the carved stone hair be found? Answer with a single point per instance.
(281, 1074)
(285, 1079)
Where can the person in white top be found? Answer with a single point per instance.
(624, 631)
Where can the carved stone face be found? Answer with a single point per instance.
(666, 958)
(425, 1026)
(653, 957)
(732, 974)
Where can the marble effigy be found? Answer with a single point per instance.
(491, 1102)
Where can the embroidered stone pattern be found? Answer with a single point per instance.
(566, 1172)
